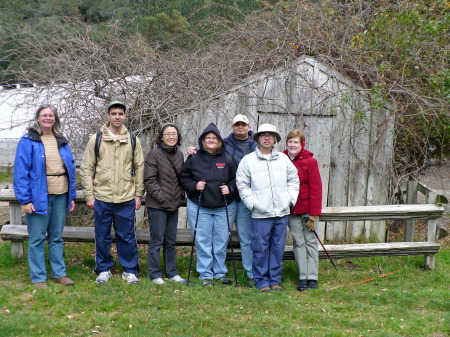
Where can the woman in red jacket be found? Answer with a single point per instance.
(304, 215)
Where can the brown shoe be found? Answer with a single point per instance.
(276, 287)
(264, 289)
(40, 285)
(64, 280)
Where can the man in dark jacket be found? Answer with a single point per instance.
(238, 144)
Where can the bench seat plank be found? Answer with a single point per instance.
(184, 238)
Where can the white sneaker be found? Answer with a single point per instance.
(130, 278)
(177, 279)
(158, 280)
(103, 277)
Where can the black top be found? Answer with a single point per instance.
(216, 169)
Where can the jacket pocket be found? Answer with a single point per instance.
(102, 177)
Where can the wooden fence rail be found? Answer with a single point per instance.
(17, 232)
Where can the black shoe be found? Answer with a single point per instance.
(312, 284)
(225, 280)
(207, 282)
(251, 283)
(302, 285)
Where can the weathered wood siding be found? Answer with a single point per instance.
(351, 139)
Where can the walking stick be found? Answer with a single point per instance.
(305, 220)
(231, 243)
(317, 236)
(195, 233)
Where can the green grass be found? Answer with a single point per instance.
(6, 177)
(411, 302)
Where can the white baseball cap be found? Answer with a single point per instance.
(240, 118)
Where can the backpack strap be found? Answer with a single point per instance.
(133, 147)
(98, 140)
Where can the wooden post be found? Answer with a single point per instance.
(15, 218)
(430, 234)
(411, 198)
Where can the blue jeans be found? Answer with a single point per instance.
(268, 241)
(121, 215)
(244, 227)
(211, 239)
(163, 233)
(38, 227)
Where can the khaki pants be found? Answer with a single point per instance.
(305, 248)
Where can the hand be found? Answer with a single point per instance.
(138, 203)
(28, 208)
(191, 150)
(201, 185)
(311, 223)
(72, 206)
(225, 190)
(90, 204)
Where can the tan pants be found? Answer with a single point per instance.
(305, 248)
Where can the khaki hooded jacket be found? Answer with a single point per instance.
(113, 180)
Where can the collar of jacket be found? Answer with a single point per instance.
(123, 135)
(37, 138)
(167, 148)
(303, 154)
(235, 141)
(274, 154)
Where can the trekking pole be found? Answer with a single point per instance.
(306, 220)
(317, 236)
(195, 233)
(229, 239)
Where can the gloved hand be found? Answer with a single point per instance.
(311, 223)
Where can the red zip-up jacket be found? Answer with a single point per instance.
(310, 196)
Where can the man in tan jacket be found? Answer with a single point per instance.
(112, 178)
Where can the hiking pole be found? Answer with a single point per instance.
(305, 220)
(229, 239)
(195, 233)
(317, 236)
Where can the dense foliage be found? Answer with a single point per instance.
(398, 51)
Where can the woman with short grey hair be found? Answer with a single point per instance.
(44, 184)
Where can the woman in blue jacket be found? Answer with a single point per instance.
(212, 171)
(44, 184)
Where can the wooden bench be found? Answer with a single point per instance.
(17, 233)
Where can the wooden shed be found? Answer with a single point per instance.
(349, 131)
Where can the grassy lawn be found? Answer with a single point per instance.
(411, 302)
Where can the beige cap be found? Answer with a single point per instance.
(240, 118)
(267, 128)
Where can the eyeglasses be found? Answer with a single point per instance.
(267, 135)
(211, 138)
(170, 135)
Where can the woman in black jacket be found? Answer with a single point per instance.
(212, 172)
(164, 193)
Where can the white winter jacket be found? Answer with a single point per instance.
(268, 187)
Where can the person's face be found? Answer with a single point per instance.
(293, 146)
(46, 119)
(170, 136)
(240, 130)
(116, 116)
(266, 140)
(211, 141)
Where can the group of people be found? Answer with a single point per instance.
(241, 179)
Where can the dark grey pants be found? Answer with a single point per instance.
(163, 233)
